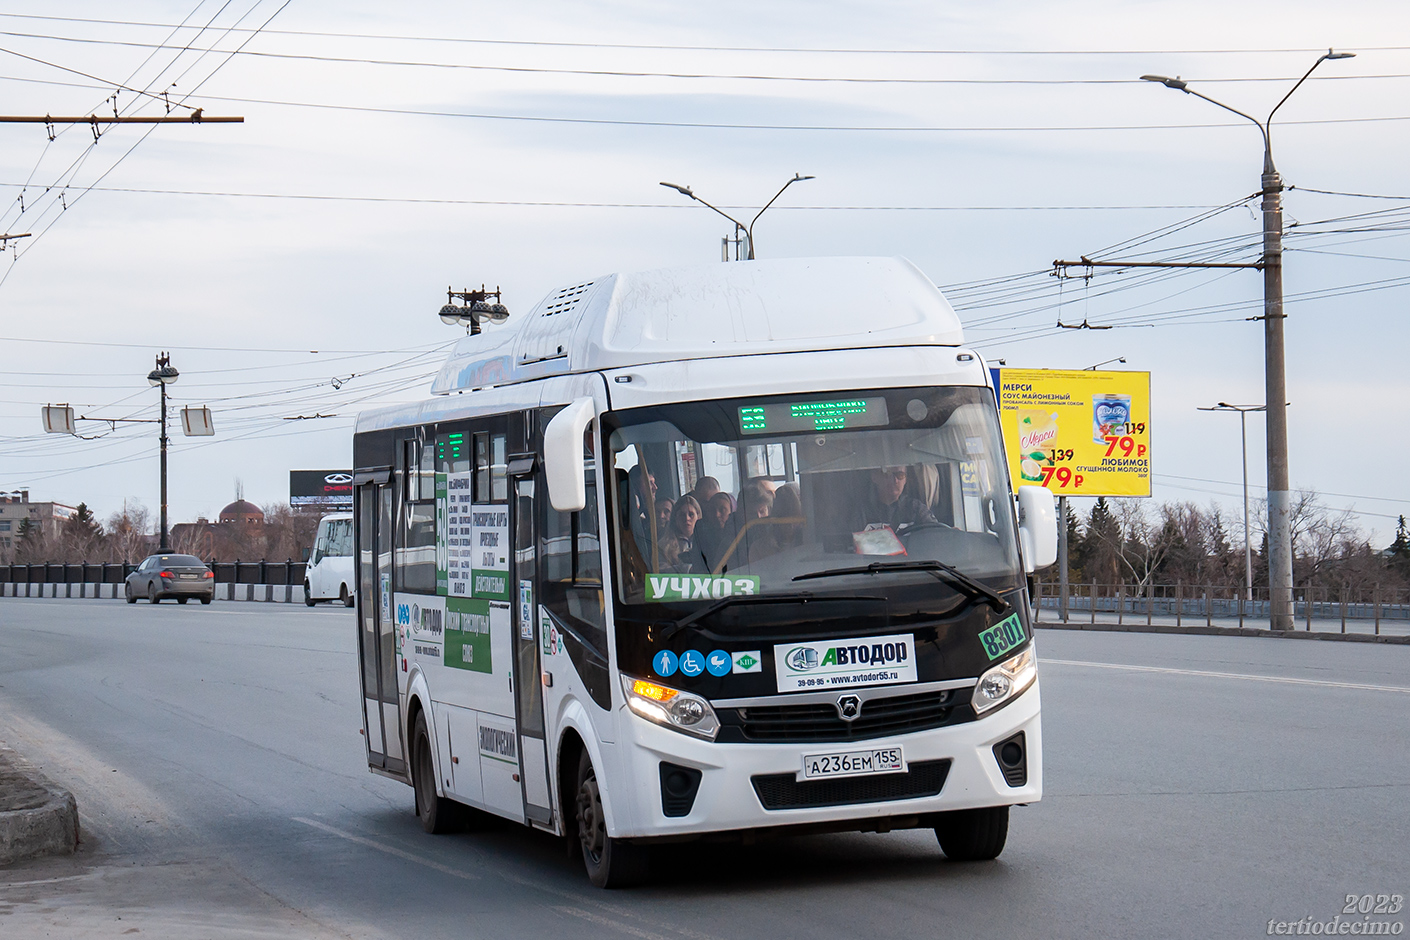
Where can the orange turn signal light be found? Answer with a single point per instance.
(657, 693)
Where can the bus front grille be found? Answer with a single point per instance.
(783, 791)
(879, 717)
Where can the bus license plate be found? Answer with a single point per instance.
(881, 760)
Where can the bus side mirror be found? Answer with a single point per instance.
(1037, 526)
(563, 456)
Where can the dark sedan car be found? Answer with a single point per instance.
(180, 576)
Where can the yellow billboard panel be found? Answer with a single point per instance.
(1077, 433)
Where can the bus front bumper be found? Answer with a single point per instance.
(735, 779)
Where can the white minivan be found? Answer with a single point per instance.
(329, 576)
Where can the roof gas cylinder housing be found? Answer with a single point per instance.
(707, 312)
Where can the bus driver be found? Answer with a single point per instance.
(885, 503)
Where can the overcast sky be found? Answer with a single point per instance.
(488, 143)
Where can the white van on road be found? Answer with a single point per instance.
(329, 576)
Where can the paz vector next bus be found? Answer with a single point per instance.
(705, 552)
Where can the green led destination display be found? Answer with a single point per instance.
(794, 416)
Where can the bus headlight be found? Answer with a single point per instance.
(677, 710)
(1005, 681)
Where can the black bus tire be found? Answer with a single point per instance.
(610, 863)
(973, 835)
(438, 814)
(308, 596)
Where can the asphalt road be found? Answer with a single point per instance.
(1196, 787)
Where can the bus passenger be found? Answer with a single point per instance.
(711, 526)
(678, 541)
(744, 538)
(664, 508)
(642, 508)
(788, 510)
(705, 490)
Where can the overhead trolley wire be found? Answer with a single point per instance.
(628, 73)
(707, 48)
(722, 125)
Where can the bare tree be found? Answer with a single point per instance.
(127, 533)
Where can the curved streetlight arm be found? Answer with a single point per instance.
(750, 231)
(1267, 143)
(685, 191)
(1330, 55)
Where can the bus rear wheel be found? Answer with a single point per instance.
(438, 814)
(345, 596)
(973, 835)
(610, 863)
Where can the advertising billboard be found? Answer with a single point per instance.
(327, 489)
(1079, 433)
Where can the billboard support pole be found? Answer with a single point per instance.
(1062, 558)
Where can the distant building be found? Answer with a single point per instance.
(242, 511)
(238, 532)
(15, 508)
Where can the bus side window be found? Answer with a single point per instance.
(571, 560)
(416, 532)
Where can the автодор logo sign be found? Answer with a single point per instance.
(838, 664)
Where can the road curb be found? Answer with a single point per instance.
(36, 817)
(1226, 631)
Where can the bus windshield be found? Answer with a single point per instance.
(779, 494)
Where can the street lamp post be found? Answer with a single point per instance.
(739, 226)
(1275, 378)
(1243, 411)
(163, 375)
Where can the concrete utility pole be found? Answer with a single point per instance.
(1280, 557)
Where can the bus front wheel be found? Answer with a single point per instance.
(973, 835)
(345, 596)
(610, 863)
(308, 595)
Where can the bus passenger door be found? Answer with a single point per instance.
(533, 747)
(377, 646)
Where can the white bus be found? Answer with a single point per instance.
(840, 642)
(329, 575)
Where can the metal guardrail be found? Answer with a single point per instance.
(1188, 604)
(44, 579)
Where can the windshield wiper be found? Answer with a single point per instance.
(785, 598)
(724, 602)
(948, 573)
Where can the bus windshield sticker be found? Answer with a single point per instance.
(1002, 637)
(467, 634)
(748, 661)
(489, 560)
(689, 587)
(526, 610)
(838, 664)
